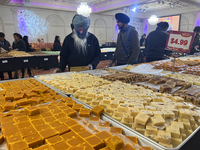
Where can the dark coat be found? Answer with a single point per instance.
(6, 45)
(20, 45)
(155, 44)
(141, 41)
(70, 56)
(56, 46)
(195, 43)
(131, 42)
(28, 47)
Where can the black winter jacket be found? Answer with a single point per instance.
(20, 45)
(70, 56)
(6, 45)
(155, 43)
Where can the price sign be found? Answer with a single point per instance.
(25, 60)
(180, 41)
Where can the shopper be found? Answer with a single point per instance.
(155, 43)
(28, 49)
(128, 46)
(57, 45)
(196, 42)
(80, 48)
(142, 40)
(18, 44)
(4, 45)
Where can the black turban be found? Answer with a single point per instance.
(122, 18)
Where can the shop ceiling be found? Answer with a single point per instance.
(143, 7)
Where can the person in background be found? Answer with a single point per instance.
(142, 40)
(57, 45)
(18, 44)
(196, 42)
(128, 46)
(155, 43)
(28, 49)
(80, 48)
(4, 45)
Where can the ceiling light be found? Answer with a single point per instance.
(153, 20)
(84, 9)
(134, 9)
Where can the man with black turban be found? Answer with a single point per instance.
(128, 46)
(80, 48)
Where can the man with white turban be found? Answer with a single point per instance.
(80, 48)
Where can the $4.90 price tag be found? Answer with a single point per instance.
(180, 41)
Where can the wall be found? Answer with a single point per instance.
(103, 26)
(187, 23)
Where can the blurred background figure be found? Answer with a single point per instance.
(4, 45)
(57, 45)
(28, 47)
(143, 40)
(196, 42)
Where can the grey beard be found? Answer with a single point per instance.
(80, 44)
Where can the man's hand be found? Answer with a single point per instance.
(0, 49)
(90, 66)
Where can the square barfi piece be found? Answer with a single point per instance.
(9, 106)
(34, 100)
(177, 141)
(27, 131)
(151, 129)
(71, 122)
(37, 122)
(53, 140)
(68, 135)
(95, 142)
(115, 143)
(9, 97)
(46, 114)
(61, 146)
(77, 107)
(75, 141)
(14, 139)
(20, 145)
(25, 124)
(62, 129)
(33, 140)
(55, 124)
(70, 112)
(70, 103)
(141, 118)
(103, 135)
(179, 125)
(44, 147)
(21, 119)
(60, 115)
(42, 127)
(185, 113)
(77, 128)
(21, 102)
(164, 137)
(157, 120)
(5, 119)
(94, 118)
(175, 131)
(168, 114)
(116, 130)
(31, 94)
(18, 96)
(8, 132)
(49, 119)
(84, 112)
(85, 134)
(32, 110)
(47, 133)
(97, 110)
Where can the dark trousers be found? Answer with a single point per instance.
(28, 71)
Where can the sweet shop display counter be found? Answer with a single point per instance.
(165, 120)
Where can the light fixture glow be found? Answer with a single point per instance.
(31, 24)
(134, 9)
(84, 9)
(153, 20)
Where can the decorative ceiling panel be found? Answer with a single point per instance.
(162, 5)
